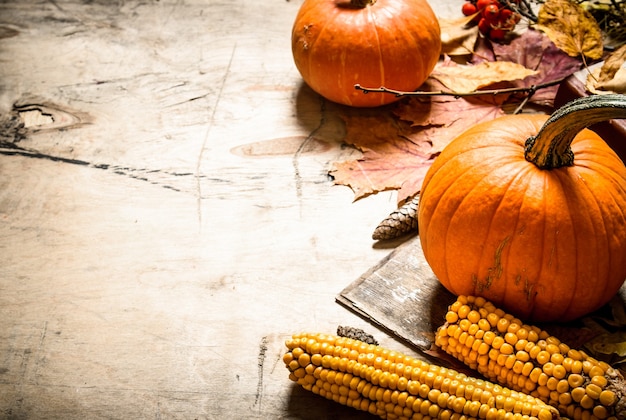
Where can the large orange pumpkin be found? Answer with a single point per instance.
(531, 218)
(337, 44)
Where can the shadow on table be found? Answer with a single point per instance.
(304, 405)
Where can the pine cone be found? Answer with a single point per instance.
(399, 222)
(356, 334)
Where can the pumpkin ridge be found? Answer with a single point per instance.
(521, 180)
(435, 207)
(371, 19)
(497, 267)
(606, 244)
(562, 177)
(330, 20)
(517, 185)
(611, 205)
(459, 178)
(603, 210)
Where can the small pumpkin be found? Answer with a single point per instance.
(337, 44)
(530, 212)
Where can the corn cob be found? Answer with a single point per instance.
(525, 358)
(392, 385)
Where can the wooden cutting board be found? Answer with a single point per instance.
(401, 295)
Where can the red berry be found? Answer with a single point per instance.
(491, 12)
(497, 34)
(484, 26)
(469, 9)
(482, 4)
(505, 14)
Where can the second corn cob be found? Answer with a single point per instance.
(392, 385)
(525, 358)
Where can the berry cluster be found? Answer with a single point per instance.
(494, 18)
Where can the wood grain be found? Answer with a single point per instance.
(401, 295)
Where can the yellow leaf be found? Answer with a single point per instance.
(612, 64)
(468, 78)
(457, 38)
(611, 77)
(617, 84)
(572, 29)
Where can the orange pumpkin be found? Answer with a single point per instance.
(530, 212)
(337, 44)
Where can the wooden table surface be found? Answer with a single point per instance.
(167, 215)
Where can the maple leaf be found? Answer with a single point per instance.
(572, 28)
(390, 160)
(443, 118)
(399, 145)
(462, 78)
(534, 50)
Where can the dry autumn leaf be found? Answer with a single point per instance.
(534, 50)
(399, 146)
(611, 76)
(571, 28)
(464, 78)
(617, 84)
(457, 38)
(612, 64)
(443, 117)
(390, 160)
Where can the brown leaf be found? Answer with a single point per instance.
(457, 38)
(469, 78)
(612, 64)
(534, 50)
(390, 160)
(611, 76)
(615, 85)
(445, 117)
(572, 28)
(398, 146)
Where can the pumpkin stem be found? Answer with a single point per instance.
(360, 4)
(550, 148)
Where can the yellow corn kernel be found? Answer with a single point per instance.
(596, 371)
(577, 367)
(562, 386)
(503, 325)
(600, 412)
(506, 348)
(593, 391)
(586, 402)
(567, 363)
(522, 333)
(575, 380)
(542, 357)
(533, 335)
(559, 372)
(483, 324)
(600, 381)
(392, 385)
(473, 316)
(565, 398)
(534, 374)
(522, 356)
